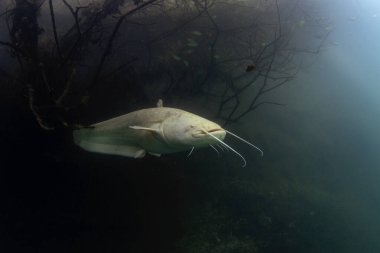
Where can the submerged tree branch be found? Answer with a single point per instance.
(211, 49)
(54, 28)
(111, 39)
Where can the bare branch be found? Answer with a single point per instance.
(112, 38)
(66, 90)
(54, 28)
(75, 15)
(267, 102)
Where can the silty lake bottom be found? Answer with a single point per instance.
(316, 189)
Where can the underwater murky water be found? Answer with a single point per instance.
(314, 190)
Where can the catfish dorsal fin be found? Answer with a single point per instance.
(160, 103)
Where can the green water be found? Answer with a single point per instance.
(316, 189)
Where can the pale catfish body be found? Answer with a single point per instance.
(160, 130)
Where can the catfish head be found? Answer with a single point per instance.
(188, 130)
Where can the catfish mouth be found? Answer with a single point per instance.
(213, 131)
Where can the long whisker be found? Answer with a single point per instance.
(262, 153)
(221, 147)
(214, 149)
(224, 144)
(191, 151)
